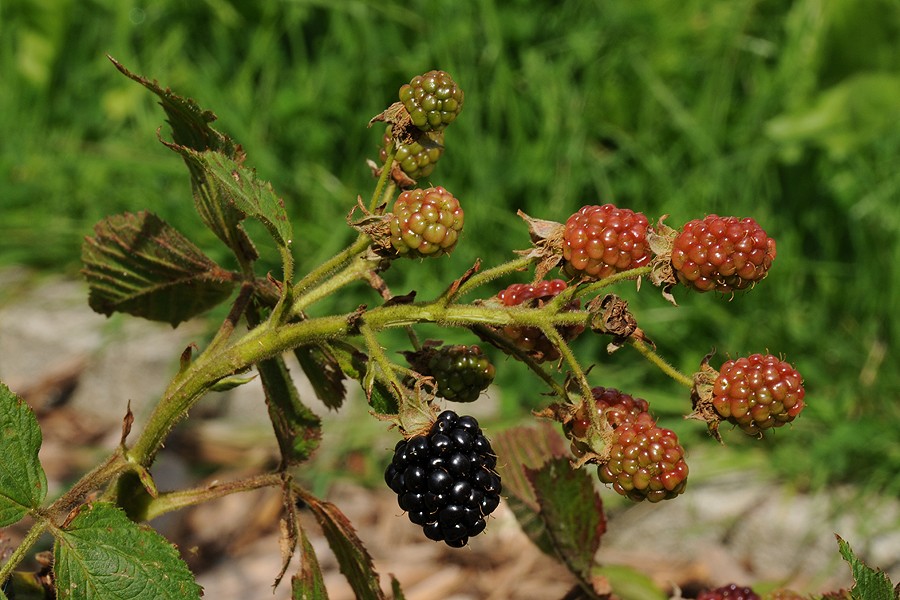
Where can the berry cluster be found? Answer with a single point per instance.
(531, 339)
(425, 222)
(461, 372)
(599, 241)
(617, 406)
(445, 480)
(646, 462)
(729, 592)
(722, 253)
(433, 100)
(758, 392)
(416, 159)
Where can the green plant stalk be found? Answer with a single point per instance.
(115, 464)
(173, 501)
(338, 261)
(489, 275)
(383, 178)
(577, 291)
(651, 355)
(522, 356)
(41, 525)
(356, 271)
(271, 339)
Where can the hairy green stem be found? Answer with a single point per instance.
(338, 261)
(660, 362)
(41, 525)
(270, 339)
(377, 195)
(353, 272)
(172, 501)
(489, 275)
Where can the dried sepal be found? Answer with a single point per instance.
(547, 243)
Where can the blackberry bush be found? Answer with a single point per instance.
(444, 471)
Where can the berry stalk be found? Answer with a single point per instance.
(651, 355)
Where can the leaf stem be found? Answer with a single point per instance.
(172, 501)
(660, 362)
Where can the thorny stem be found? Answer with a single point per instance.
(487, 333)
(331, 265)
(357, 271)
(566, 352)
(576, 291)
(660, 362)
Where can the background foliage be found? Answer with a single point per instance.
(785, 111)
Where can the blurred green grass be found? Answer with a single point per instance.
(783, 111)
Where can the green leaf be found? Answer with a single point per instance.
(102, 555)
(308, 583)
(254, 197)
(191, 131)
(320, 365)
(354, 560)
(189, 122)
(23, 484)
(140, 265)
(297, 428)
(628, 584)
(571, 511)
(524, 448)
(871, 584)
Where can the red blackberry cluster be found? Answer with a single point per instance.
(531, 339)
(445, 480)
(416, 160)
(758, 392)
(425, 222)
(729, 592)
(617, 406)
(461, 372)
(646, 462)
(722, 253)
(433, 100)
(599, 241)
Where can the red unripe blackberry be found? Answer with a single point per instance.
(729, 592)
(617, 406)
(461, 372)
(599, 241)
(646, 462)
(532, 339)
(433, 100)
(722, 253)
(758, 392)
(425, 222)
(415, 159)
(445, 480)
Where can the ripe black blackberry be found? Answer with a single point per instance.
(445, 479)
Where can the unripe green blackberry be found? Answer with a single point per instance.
(722, 253)
(646, 462)
(425, 222)
(433, 100)
(599, 241)
(415, 159)
(758, 392)
(531, 339)
(461, 372)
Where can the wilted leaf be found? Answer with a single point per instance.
(320, 365)
(297, 428)
(101, 554)
(308, 584)
(354, 560)
(571, 511)
(23, 484)
(140, 265)
(523, 448)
